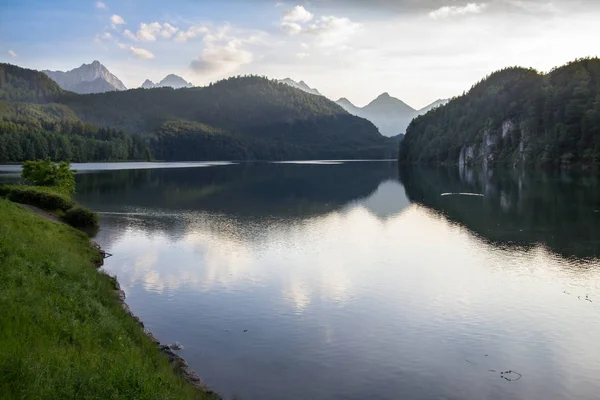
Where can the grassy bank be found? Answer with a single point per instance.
(63, 333)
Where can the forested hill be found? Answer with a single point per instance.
(20, 84)
(515, 116)
(237, 118)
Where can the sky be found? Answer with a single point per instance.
(416, 50)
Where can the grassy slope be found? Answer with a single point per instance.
(63, 334)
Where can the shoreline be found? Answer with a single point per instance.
(82, 332)
(178, 363)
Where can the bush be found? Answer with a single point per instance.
(38, 197)
(46, 173)
(5, 190)
(81, 217)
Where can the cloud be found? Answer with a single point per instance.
(168, 31)
(291, 28)
(100, 5)
(191, 33)
(535, 7)
(128, 34)
(221, 58)
(12, 53)
(140, 53)
(104, 36)
(450, 11)
(148, 31)
(302, 55)
(152, 31)
(297, 14)
(116, 20)
(329, 30)
(332, 31)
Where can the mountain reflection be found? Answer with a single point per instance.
(519, 208)
(243, 191)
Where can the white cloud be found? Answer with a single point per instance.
(191, 33)
(141, 53)
(168, 30)
(302, 55)
(297, 14)
(304, 45)
(449, 11)
(221, 58)
(100, 37)
(279, 4)
(291, 28)
(12, 53)
(148, 31)
(536, 8)
(116, 20)
(100, 5)
(128, 34)
(152, 31)
(332, 31)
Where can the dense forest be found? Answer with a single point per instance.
(67, 140)
(515, 116)
(237, 118)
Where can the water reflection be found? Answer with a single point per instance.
(519, 208)
(339, 281)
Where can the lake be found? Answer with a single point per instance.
(355, 280)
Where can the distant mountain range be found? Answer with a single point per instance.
(88, 78)
(241, 118)
(171, 80)
(391, 115)
(300, 85)
(96, 78)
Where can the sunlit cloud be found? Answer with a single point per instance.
(450, 11)
(297, 14)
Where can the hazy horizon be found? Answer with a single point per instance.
(417, 51)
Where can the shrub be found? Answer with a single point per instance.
(81, 217)
(39, 197)
(5, 190)
(47, 173)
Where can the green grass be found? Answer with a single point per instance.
(63, 333)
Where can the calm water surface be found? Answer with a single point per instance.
(356, 280)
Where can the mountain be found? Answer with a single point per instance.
(515, 116)
(148, 84)
(391, 115)
(88, 78)
(300, 85)
(243, 118)
(435, 104)
(98, 85)
(348, 106)
(237, 118)
(171, 80)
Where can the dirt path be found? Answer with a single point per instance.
(41, 213)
